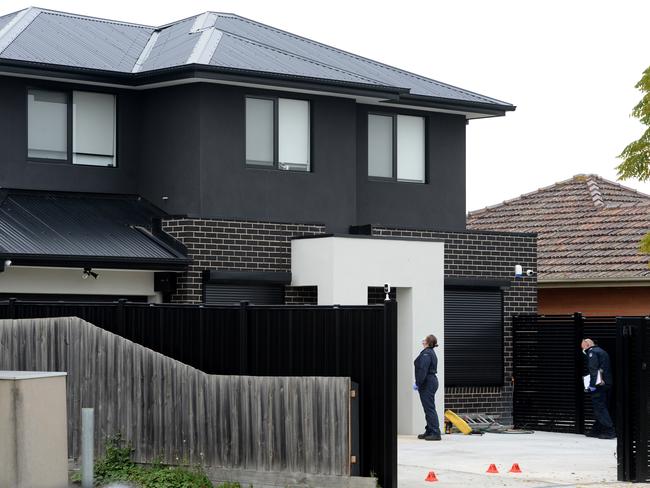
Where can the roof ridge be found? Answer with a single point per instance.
(591, 181)
(15, 27)
(96, 19)
(371, 61)
(594, 191)
(520, 197)
(626, 188)
(304, 58)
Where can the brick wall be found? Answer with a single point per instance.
(233, 246)
(301, 295)
(486, 255)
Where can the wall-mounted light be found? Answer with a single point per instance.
(88, 272)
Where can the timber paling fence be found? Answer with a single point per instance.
(357, 342)
(178, 414)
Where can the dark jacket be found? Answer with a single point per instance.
(597, 358)
(426, 364)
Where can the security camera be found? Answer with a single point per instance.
(530, 272)
(387, 291)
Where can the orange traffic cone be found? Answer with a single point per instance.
(431, 477)
(515, 468)
(492, 469)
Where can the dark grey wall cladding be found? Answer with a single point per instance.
(438, 204)
(232, 190)
(486, 256)
(17, 172)
(169, 149)
(187, 143)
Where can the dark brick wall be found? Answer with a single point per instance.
(301, 295)
(232, 245)
(486, 255)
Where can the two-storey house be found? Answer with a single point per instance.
(183, 162)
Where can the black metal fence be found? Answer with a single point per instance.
(548, 367)
(633, 380)
(355, 341)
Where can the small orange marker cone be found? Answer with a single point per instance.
(492, 469)
(431, 477)
(515, 468)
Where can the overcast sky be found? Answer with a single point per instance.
(569, 66)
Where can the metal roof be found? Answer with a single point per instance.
(58, 225)
(218, 40)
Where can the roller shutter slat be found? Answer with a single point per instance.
(226, 294)
(473, 337)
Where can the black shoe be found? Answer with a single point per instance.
(432, 437)
(607, 435)
(592, 434)
(423, 436)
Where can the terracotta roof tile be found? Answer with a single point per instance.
(588, 228)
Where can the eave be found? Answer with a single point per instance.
(193, 73)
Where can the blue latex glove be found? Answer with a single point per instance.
(415, 387)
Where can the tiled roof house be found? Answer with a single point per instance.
(589, 230)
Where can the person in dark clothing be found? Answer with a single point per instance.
(426, 383)
(600, 388)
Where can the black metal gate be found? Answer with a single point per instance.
(633, 351)
(548, 367)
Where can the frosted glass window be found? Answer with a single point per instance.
(93, 128)
(47, 124)
(410, 148)
(293, 134)
(259, 131)
(380, 146)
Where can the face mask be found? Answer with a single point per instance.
(584, 351)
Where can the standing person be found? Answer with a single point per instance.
(600, 389)
(426, 383)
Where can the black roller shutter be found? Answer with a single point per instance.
(473, 337)
(229, 294)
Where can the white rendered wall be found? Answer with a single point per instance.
(344, 267)
(67, 281)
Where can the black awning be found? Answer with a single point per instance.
(73, 229)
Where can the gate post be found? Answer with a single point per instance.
(390, 387)
(578, 331)
(642, 416)
(623, 431)
(244, 367)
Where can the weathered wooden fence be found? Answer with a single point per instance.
(176, 413)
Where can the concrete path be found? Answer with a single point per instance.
(546, 459)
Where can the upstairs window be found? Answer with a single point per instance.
(278, 133)
(396, 147)
(76, 127)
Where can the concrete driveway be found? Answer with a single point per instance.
(546, 459)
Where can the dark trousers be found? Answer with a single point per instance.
(600, 403)
(427, 397)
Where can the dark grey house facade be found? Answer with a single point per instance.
(179, 163)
